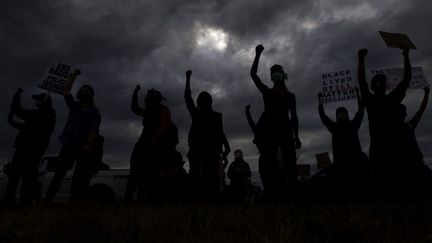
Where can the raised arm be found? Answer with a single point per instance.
(358, 118)
(401, 88)
(227, 148)
(70, 101)
(361, 74)
(188, 94)
(135, 105)
(416, 119)
(16, 108)
(324, 118)
(11, 120)
(295, 122)
(254, 69)
(250, 119)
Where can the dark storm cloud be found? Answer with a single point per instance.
(119, 44)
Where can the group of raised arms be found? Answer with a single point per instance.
(394, 168)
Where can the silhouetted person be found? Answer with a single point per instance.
(384, 122)
(239, 174)
(78, 141)
(350, 166)
(412, 169)
(276, 132)
(208, 144)
(30, 145)
(154, 155)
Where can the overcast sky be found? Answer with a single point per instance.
(119, 44)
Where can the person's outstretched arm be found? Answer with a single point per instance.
(254, 70)
(250, 119)
(358, 118)
(188, 94)
(361, 74)
(295, 121)
(135, 105)
(416, 119)
(70, 101)
(400, 90)
(324, 118)
(16, 108)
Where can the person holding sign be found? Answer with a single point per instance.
(350, 163)
(276, 131)
(30, 144)
(383, 114)
(78, 141)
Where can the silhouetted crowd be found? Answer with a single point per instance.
(394, 168)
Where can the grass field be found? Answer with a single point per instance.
(218, 223)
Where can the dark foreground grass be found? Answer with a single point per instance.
(218, 223)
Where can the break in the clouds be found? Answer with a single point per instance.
(119, 44)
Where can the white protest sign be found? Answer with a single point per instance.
(395, 75)
(337, 86)
(55, 78)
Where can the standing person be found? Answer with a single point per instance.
(276, 132)
(155, 147)
(350, 163)
(239, 174)
(384, 122)
(30, 145)
(413, 169)
(208, 144)
(78, 141)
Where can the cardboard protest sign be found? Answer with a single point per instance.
(55, 78)
(395, 75)
(397, 40)
(337, 86)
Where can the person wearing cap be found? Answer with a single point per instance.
(79, 142)
(30, 144)
(276, 133)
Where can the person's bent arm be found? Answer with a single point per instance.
(295, 122)
(135, 105)
(70, 101)
(324, 118)
(254, 69)
(250, 119)
(416, 119)
(227, 148)
(400, 90)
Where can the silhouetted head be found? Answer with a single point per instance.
(238, 155)
(42, 100)
(278, 74)
(342, 114)
(153, 98)
(204, 101)
(379, 84)
(402, 112)
(86, 94)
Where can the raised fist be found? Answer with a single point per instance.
(77, 72)
(259, 48)
(247, 108)
(19, 90)
(137, 88)
(362, 52)
(188, 74)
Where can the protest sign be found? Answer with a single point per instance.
(397, 40)
(395, 75)
(55, 78)
(337, 86)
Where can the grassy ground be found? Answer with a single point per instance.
(218, 223)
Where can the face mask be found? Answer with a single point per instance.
(278, 77)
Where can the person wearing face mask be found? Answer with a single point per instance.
(276, 133)
(384, 122)
(350, 165)
(30, 144)
(239, 174)
(208, 144)
(154, 155)
(78, 141)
